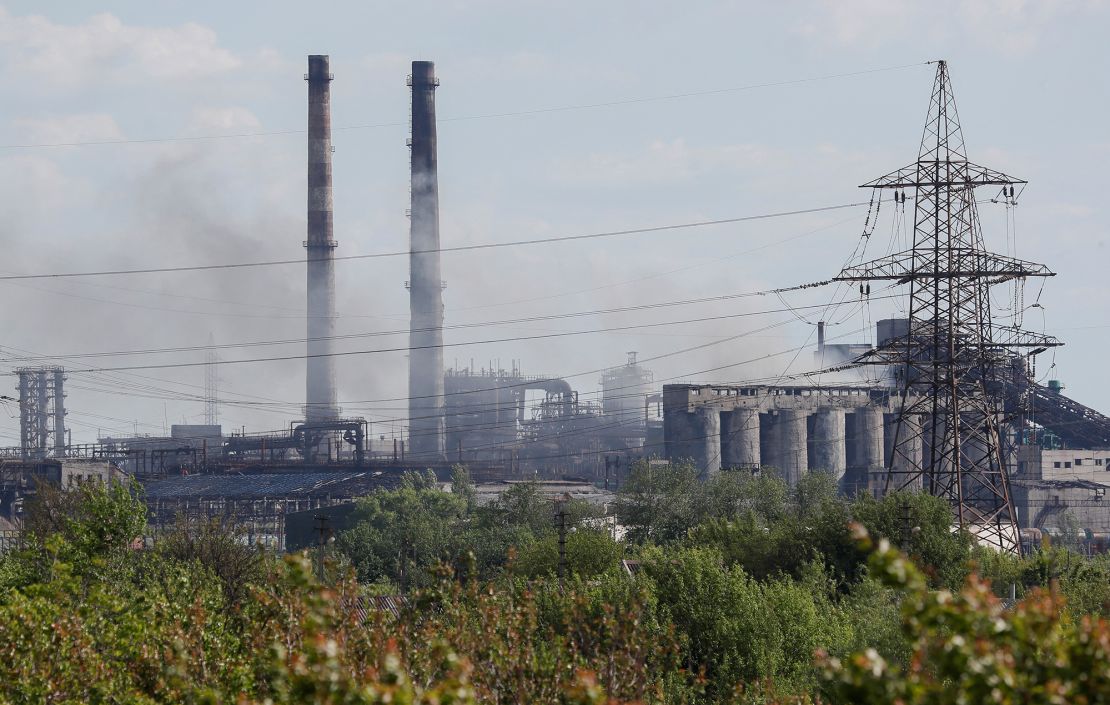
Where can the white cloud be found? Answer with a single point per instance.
(33, 46)
(67, 129)
(390, 64)
(35, 190)
(1007, 26)
(664, 162)
(206, 121)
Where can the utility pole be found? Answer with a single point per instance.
(951, 363)
(907, 525)
(323, 535)
(613, 467)
(561, 526)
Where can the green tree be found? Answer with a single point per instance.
(399, 535)
(589, 552)
(967, 648)
(922, 524)
(520, 505)
(462, 486)
(93, 518)
(216, 544)
(659, 503)
(738, 631)
(779, 531)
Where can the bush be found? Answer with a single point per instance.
(969, 649)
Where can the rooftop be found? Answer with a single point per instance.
(309, 484)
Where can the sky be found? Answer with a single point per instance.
(555, 120)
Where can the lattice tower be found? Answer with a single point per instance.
(950, 439)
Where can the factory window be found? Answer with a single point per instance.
(1078, 462)
(1067, 464)
(1056, 464)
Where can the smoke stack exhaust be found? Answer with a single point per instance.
(320, 396)
(426, 401)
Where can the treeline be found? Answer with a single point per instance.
(734, 590)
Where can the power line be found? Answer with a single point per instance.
(621, 423)
(409, 348)
(456, 248)
(777, 380)
(467, 118)
(300, 313)
(477, 324)
(656, 275)
(470, 407)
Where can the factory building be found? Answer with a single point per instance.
(258, 503)
(1058, 489)
(1059, 449)
(20, 480)
(842, 431)
(536, 426)
(626, 392)
(508, 426)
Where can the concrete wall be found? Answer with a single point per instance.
(792, 429)
(695, 436)
(827, 442)
(1051, 490)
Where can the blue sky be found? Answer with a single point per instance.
(1030, 80)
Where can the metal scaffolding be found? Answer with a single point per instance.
(211, 385)
(41, 412)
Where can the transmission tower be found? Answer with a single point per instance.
(951, 365)
(211, 386)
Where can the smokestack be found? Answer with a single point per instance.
(320, 397)
(821, 342)
(426, 419)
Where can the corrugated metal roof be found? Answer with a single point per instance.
(309, 484)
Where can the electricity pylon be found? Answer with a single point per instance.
(952, 361)
(211, 385)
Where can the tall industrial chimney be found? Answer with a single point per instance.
(320, 397)
(426, 402)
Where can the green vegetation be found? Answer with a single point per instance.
(741, 591)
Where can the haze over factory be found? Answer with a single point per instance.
(302, 361)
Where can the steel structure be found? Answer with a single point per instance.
(211, 386)
(41, 412)
(951, 362)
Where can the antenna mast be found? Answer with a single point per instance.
(211, 385)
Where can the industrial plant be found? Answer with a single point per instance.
(951, 404)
